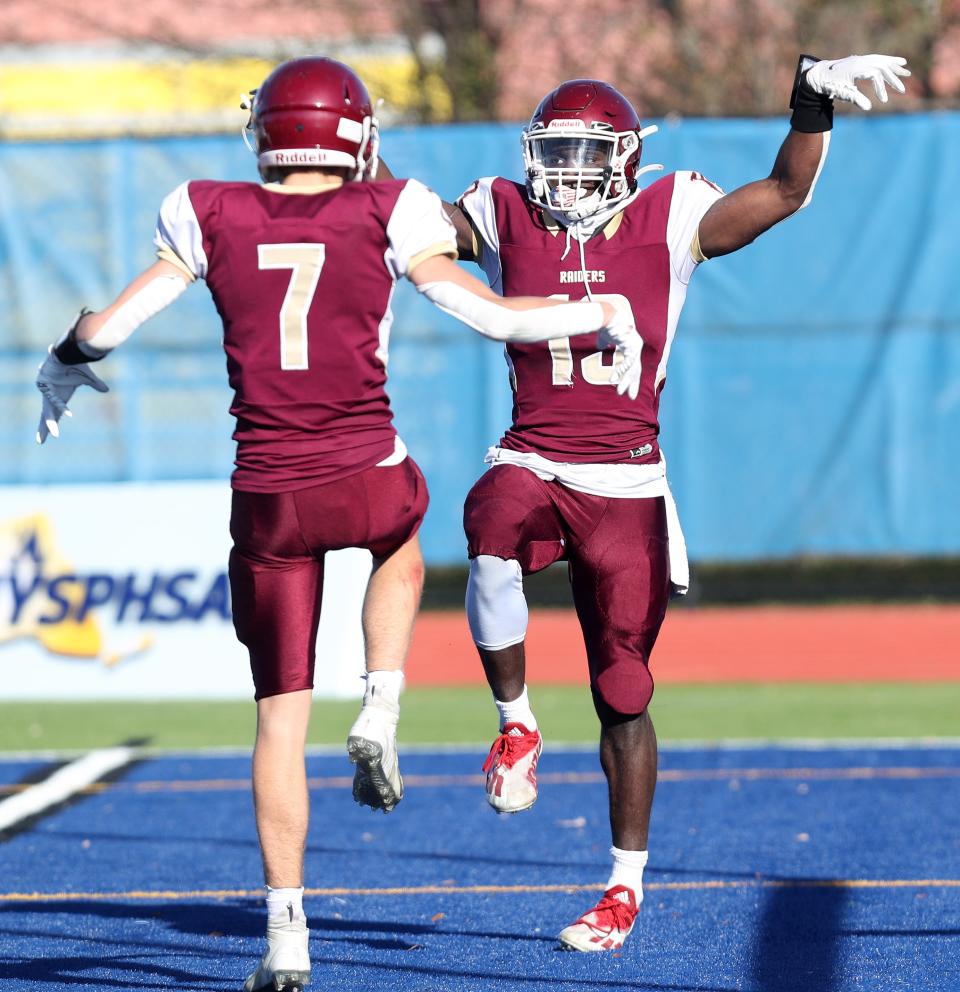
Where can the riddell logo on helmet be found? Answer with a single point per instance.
(307, 156)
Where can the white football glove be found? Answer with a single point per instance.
(838, 78)
(622, 334)
(57, 382)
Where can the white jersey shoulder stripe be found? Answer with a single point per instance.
(477, 203)
(418, 227)
(692, 197)
(178, 230)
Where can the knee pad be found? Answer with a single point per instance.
(496, 606)
(621, 692)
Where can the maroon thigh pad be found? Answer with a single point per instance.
(275, 585)
(276, 565)
(511, 513)
(620, 574)
(379, 509)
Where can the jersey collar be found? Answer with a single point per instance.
(552, 225)
(325, 187)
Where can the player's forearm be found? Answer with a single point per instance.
(523, 320)
(797, 168)
(97, 334)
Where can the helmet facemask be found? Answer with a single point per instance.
(573, 171)
(577, 172)
(368, 157)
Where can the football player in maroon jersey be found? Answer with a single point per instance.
(579, 474)
(302, 269)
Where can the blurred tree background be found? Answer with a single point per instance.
(687, 57)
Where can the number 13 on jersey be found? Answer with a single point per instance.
(592, 367)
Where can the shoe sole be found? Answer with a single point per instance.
(285, 981)
(290, 981)
(515, 809)
(371, 787)
(570, 945)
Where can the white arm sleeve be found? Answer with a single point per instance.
(692, 197)
(178, 237)
(150, 300)
(494, 320)
(418, 228)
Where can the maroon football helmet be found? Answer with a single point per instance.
(581, 149)
(314, 111)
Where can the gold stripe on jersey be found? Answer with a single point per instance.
(440, 248)
(613, 225)
(167, 254)
(334, 182)
(696, 252)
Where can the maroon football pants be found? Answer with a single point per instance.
(276, 565)
(617, 555)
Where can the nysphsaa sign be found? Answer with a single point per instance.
(121, 591)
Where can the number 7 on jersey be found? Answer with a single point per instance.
(305, 260)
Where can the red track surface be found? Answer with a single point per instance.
(760, 644)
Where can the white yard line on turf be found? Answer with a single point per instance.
(64, 783)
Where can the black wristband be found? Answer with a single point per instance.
(812, 112)
(68, 350)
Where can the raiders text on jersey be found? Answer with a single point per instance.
(575, 275)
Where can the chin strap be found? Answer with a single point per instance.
(583, 268)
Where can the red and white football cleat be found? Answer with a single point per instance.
(606, 926)
(511, 768)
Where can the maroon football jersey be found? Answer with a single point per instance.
(566, 406)
(303, 282)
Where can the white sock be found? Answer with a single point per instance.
(628, 870)
(516, 711)
(286, 903)
(383, 689)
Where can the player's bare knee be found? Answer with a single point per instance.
(411, 575)
(404, 564)
(284, 716)
(416, 573)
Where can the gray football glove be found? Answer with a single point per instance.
(57, 383)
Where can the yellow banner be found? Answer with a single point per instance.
(92, 98)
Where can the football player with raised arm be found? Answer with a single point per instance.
(579, 474)
(302, 269)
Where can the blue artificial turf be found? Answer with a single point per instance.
(759, 878)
